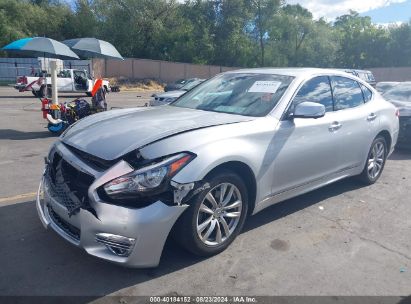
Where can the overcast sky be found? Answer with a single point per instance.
(381, 11)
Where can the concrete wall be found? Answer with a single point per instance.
(392, 74)
(156, 69)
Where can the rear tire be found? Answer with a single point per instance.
(212, 222)
(375, 161)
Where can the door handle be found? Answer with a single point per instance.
(335, 126)
(372, 117)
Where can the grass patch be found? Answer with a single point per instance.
(140, 85)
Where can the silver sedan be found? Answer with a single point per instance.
(170, 96)
(116, 183)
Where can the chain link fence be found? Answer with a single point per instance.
(11, 68)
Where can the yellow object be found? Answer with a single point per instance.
(54, 107)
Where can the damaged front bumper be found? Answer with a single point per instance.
(133, 237)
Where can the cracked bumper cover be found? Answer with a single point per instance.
(148, 227)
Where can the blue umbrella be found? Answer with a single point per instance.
(40, 47)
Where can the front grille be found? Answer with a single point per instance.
(69, 229)
(68, 185)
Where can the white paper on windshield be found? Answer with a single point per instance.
(265, 87)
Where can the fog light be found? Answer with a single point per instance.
(117, 244)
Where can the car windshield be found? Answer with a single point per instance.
(190, 85)
(401, 92)
(370, 77)
(247, 94)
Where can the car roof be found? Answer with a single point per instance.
(295, 72)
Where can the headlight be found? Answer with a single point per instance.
(148, 178)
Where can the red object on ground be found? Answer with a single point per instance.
(97, 85)
(45, 107)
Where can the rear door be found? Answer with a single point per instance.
(307, 149)
(357, 119)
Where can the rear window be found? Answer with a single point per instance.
(367, 93)
(347, 93)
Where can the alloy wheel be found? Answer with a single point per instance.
(219, 214)
(376, 160)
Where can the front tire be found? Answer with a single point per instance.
(215, 216)
(375, 161)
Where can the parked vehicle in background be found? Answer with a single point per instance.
(68, 80)
(231, 147)
(367, 76)
(177, 85)
(384, 86)
(170, 96)
(400, 96)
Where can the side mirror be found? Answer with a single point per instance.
(308, 110)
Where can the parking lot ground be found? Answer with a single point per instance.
(344, 239)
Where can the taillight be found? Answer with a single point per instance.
(397, 112)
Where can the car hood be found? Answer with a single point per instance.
(110, 135)
(404, 107)
(170, 94)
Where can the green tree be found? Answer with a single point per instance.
(82, 22)
(264, 12)
(399, 45)
(247, 33)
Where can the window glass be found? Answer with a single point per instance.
(370, 76)
(316, 90)
(80, 73)
(64, 74)
(362, 76)
(347, 93)
(248, 94)
(367, 93)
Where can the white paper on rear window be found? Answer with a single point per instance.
(265, 87)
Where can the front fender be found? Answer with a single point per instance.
(248, 142)
(212, 155)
